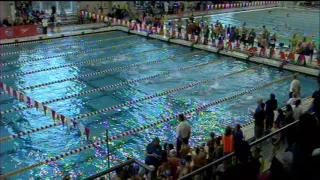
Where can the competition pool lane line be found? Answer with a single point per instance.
(128, 103)
(53, 39)
(113, 85)
(100, 59)
(80, 63)
(77, 52)
(141, 128)
(67, 45)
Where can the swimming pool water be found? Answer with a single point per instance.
(303, 22)
(35, 147)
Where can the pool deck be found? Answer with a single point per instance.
(198, 14)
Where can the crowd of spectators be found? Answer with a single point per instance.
(299, 160)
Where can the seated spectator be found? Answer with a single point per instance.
(297, 110)
(6, 22)
(152, 153)
(281, 118)
(258, 158)
(185, 150)
(164, 170)
(184, 167)
(174, 163)
(244, 169)
(275, 140)
(293, 100)
(221, 169)
(199, 159)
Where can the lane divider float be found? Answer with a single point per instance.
(53, 39)
(91, 61)
(115, 85)
(72, 53)
(75, 64)
(73, 120)
(165, 119)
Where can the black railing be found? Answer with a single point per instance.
(210, 165)
(109, 170)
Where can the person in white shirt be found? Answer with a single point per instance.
(295, 86)
(297, 110)
(183, 132)
(166, 7)
(293, 99)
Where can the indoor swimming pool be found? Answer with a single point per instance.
(119, 82)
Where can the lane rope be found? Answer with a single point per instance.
(73, 64)
(72, 53)
(127, 103)
(116, 85)
(90, 61)
(165, 119)
(50, 40)
(64, 46)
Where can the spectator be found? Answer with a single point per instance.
(252, 36)
(302, 152)
(244, 168)
(295, 86)
(185, 150)
(164, 170)
(258, 158)
(298, 110)
(184, 168)
(281, 119)
(259, 117)
(152, 153)
(6, 22)
(238, 134)
(292, 101)
(221, 169)
(199, 160)
(218, 152)
(275, 140)
(44, 25)
(183, 132)
(289, 114)
(271, 106)
(227, 141)
(174, 163)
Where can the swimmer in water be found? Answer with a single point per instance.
(270, 11)
(202, 93)
(287, 15)
(244, 24)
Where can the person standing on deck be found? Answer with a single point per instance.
(271, 106)
(183, 132)
(295, 86)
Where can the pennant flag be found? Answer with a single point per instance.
(68, 123)
(45, 109)
(54, 114)
(75, 124)
(63, 118)
(87, 131)
(22, 97)
(15, 94)
(82, 130)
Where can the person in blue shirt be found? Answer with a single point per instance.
(153, 151)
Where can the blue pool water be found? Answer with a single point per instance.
(35, 147)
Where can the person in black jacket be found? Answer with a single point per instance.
(259, 117)
(271, 106)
